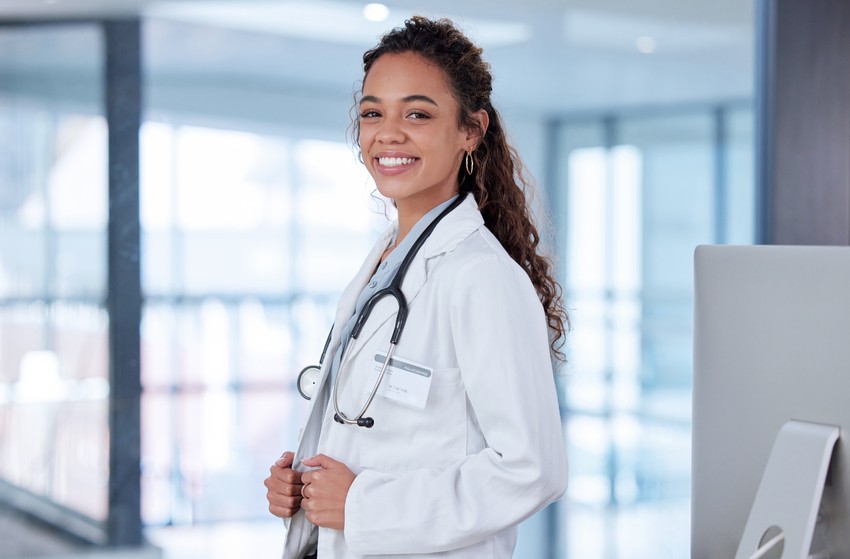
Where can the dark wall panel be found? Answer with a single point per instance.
(804, 130)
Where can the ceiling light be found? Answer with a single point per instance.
(376, 12)
(645, 44)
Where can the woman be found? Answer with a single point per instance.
(466, 440)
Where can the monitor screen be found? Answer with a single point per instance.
(771, 344)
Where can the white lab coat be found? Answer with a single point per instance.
(454, 479)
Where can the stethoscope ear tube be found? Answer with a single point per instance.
(393, 291)
(401, 318)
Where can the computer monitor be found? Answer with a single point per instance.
(771, 345)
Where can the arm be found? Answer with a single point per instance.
(501, 342)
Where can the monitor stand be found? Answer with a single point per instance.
(790, 492)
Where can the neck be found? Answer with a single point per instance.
(410, 213)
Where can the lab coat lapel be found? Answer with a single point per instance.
(300, 532)
(455, 227)
(348, 299)
(345, 308)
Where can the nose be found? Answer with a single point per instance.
(390, 130)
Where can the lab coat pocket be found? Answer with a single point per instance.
(406, 438)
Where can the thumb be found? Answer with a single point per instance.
(321, 461)
(285, 460)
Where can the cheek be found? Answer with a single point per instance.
(363, 146)
(363, 141)
(364, 138)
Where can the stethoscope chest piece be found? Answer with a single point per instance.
(308, 378)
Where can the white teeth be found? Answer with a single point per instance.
(395, 161)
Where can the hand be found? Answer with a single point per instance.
(284, 487)
(325, 490)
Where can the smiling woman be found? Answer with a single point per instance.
(450, 459)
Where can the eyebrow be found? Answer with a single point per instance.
(408, 99)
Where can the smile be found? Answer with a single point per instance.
(395, 161)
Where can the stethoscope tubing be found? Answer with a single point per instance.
(340, 417)
(394, 291)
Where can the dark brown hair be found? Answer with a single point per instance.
(497, 181)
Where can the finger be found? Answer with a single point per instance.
(321, 461)
(291, 489)
(316, 517)
(308, 477)
(291, 476)
(285, 501)
(283, 512)
(311, 517)
(286, 475)
(316, 477)
(276, 485)
(307, 503)
(285, 460)
(280, 484)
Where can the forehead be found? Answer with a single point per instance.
(399, 75)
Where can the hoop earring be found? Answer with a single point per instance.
(469, 162)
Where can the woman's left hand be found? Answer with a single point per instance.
(325, 490)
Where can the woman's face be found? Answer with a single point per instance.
(409, 134)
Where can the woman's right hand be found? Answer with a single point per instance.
(284, 487)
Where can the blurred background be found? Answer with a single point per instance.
(634, 117)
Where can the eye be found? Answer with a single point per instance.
(418, 115)
(369, 113)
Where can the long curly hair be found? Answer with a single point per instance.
(497, 179)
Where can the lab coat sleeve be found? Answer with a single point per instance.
(501, 342)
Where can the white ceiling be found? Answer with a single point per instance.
(549, 56)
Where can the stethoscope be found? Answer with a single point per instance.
(308, 378)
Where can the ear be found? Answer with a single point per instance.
(474, 134)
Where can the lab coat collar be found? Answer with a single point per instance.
(454, 228)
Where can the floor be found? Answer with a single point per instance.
(22, 538)
(636, 533)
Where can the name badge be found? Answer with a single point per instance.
(404, 382)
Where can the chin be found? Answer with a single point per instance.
(389, 192)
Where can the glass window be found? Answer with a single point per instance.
(739, 176)
(248, 240)
(641, 192)
(53, 214)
